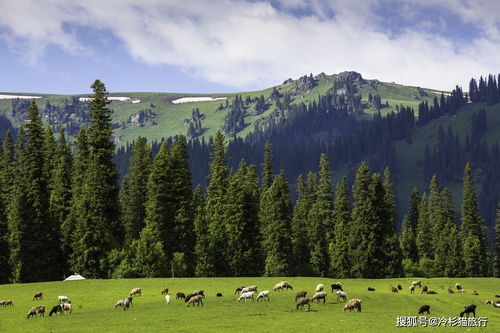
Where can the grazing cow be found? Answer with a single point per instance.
(180, 295)
(320, 287)
(354, 303)
(300, 294)
(337, 286)
(412, 289)
(394, 290)
(39, 309)
(195, 299)
(279, 286)
(219, 295)
(56, 309)
(399, 287)
(127, 302)
(371, 289)
(263, 294)
(341, 294)
(320, 295)
(417, 283)
(238, 290)
(63, 299)
(425, 289)
(8, 303)
(31, 312)
(493, 303)
(424, 308)
(304, 301)
(38, 295)
(199, 292)
(471, 308)
(246, 295)
(164, 291)
(167, 299)
(136, 291)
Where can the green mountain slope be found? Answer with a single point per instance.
(161, 117)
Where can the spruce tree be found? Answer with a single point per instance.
(215, 207)
(408, 241)
(413, 210)
(32, 232)
(473, 231)
(60, 196)
(242, 222)
(496, 248)
(4, 245)
(321, 220)
(98, 228)
(267, 166)
(203, 260)
(276, 215)
(300, 243)
(423, 232)
(149, 255)
(339, 246)
(392, 248)
(134, 190)
(80, 164)
(361, 243)
(7, 175)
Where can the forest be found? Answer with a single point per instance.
(242, 222)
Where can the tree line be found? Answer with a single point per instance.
(155, 224)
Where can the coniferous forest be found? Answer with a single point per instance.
(63, 208)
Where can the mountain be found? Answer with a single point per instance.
(415, 131)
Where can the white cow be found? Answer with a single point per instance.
(63, 299)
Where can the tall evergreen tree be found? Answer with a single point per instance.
(215, 207)
(408, 241)
(413, 210)
(242, 222)
(98, 229)
(424, 230)
(80, 164)
(300, 243)
(4, 238)
(267, 166)
(7, 174)
(276, 215)
(496, 249)
(473, 231)
(203, 260)
(60, 196)
(321, 220)
(134, 190)
(149, 254)
(392, 248)
(32, 232)
(339, 246)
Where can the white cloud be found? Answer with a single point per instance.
(253, 45)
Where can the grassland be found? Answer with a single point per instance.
(93, 302)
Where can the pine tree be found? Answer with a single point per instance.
(98, 229)
(60, 196)
(299, 228)
(473, 231)
(424, 241)
(32, 232)
(408, 241)
(267, 166)
(413, 211)
(276, 215)
(321, 220)
(134, 190)
(392, 248)
(80, 163)
(4, 238)
(215, 207)
(149, 254)
(203, 260)
(339, 247)
(242, 222)
(7, 168)
(496, 249)
(361, 243)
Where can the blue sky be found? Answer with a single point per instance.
(59, 46)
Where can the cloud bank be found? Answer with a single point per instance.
(254, 44)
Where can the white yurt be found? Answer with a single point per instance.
(74, 277)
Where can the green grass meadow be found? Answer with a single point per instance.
(93, 302)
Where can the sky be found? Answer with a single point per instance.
(218, 46)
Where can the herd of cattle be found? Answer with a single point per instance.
(247, 293)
